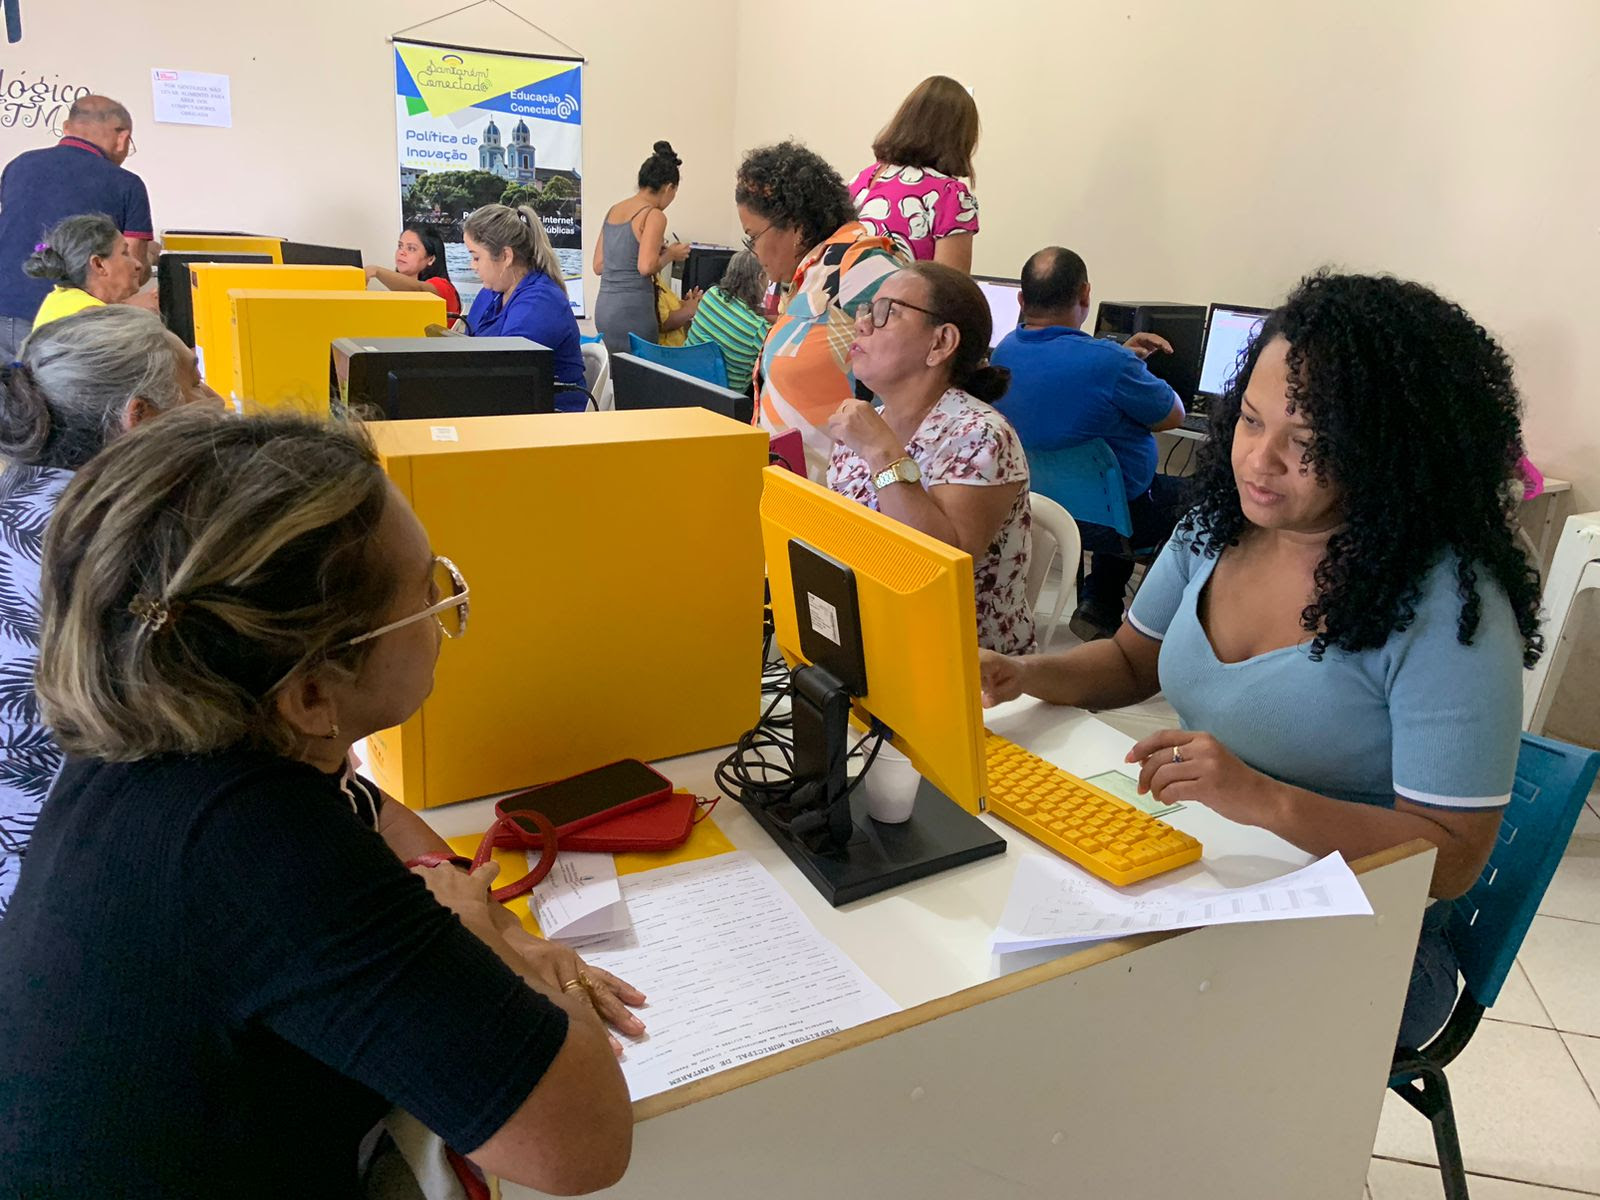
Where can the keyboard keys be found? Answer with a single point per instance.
(1105, 835)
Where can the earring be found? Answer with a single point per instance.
(332, 733)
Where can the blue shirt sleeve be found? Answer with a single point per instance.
(1140, 395)
(1164, 584)
(541, 314)
(136, 219)
(1455, 711)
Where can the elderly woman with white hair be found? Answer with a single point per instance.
(82, 381)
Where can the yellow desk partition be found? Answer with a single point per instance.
(282, 340)
(213, 307)
(222, 243)
(615, 567)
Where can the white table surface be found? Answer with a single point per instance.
(929, 939)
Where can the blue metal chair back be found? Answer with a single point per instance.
(1086, 481)
(1488, 923)
(704, 361)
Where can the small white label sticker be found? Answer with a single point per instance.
(824, 617)
(445, 433)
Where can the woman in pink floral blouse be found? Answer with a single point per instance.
(937, 456)
(913, 192)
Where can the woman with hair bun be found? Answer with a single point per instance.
(632, 250)
(938, 457)
(81, 383)
(90, 263)
(524, 292)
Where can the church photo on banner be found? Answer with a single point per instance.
(479, 127)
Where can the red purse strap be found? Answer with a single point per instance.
(508, 832)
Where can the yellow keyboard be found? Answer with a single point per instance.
(1105, 835)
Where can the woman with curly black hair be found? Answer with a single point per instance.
(799, 222)
(1342, 619)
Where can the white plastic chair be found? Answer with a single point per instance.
(597, 374)
(1055, 537)
(1575, 569)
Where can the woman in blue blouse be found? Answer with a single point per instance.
(524, 293)
(1342, 620)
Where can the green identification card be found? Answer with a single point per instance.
(1120, 786)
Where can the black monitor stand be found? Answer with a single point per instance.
(845, 853)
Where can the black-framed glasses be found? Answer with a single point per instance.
(750, 239)
(881, 307)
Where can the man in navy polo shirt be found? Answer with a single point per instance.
(1068, 388)
(83, 173)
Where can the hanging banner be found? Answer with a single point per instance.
(477, 128)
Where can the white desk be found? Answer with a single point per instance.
(1236, 1061)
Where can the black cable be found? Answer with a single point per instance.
(594, 405)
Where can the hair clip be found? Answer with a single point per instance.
(153, 613)
(41, 247)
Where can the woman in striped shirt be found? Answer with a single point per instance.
(730, 316)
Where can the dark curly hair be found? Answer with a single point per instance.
(794, 188)
(1415, 418)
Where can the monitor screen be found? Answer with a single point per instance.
(640, 384)
(1005, 304)
(1229, 331)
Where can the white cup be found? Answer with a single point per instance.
(891, 786)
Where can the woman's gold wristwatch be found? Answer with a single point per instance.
(902, 470)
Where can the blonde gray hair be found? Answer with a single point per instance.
(497, 226)
(197, 565)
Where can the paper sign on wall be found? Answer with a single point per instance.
(192, 98)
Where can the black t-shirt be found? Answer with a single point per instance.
(215, 977)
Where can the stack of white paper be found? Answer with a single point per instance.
(1054, 903)
(580, 898)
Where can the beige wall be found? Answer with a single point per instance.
(311, 154)
(1190, 150)
(1195, 150)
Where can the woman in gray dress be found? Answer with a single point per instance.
(632, 249)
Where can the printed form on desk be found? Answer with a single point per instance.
(731, 969)
(1054, 903)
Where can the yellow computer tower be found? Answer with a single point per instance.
(222, 243)
(282, 340)
(615, 567)
(213, 307)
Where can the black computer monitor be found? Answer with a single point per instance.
(308, 254)
(1183, 325)
(1005, 304)
(1230, 328)
(404, 379)
(175, 293)
(640, 384)
(705, 266)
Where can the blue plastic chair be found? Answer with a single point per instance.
(703, 361)
(1086, 481)
(1487, 924)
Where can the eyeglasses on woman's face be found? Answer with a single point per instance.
(450, 611)
(750, 239)
(878, 311)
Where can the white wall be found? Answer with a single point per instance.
(311, 154)
(1203, 151)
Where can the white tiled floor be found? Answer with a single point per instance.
(1526, 1087)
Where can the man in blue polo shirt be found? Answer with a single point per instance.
(1068, 388)
(83, 173)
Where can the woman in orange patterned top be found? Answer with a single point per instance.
(799, 222)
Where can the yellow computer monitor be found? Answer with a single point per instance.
(918, 625)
